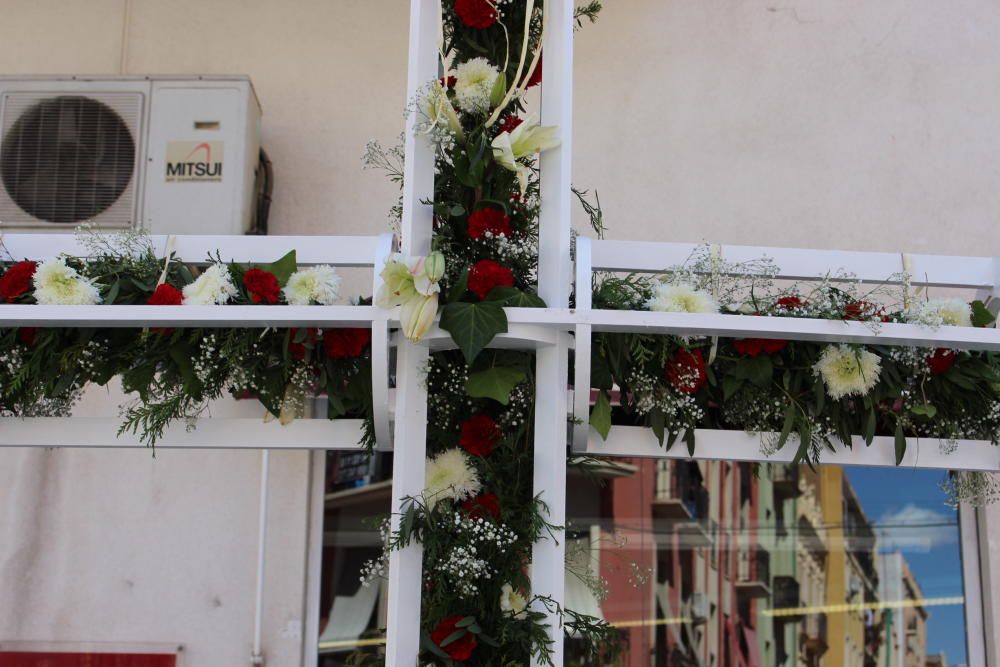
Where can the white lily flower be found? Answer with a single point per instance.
(527, 139)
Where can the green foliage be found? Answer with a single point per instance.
(496, 383)
(473, 325)
(173, 373)
(600, 415)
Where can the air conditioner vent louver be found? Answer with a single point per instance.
(69, 158)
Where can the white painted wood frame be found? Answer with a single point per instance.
(214, 433)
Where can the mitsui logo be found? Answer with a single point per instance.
(194, 161)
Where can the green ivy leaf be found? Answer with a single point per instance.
(513, 297)
(600, 415)
(730, 385)
(981, 315)
(495, 383)
(283, 268)
(925, 410)
(758, 370)
(460, 287)
(473, 325)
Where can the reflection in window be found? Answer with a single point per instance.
(352, 615)
(714, 564)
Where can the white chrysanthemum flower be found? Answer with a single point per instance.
(316, 284)
(59, 285)
(953, 312)
(681, 298)
(512, 602)
(474, 80)
(450, 474)
(213, 286)
(848, 371)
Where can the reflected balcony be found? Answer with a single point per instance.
(754, 576)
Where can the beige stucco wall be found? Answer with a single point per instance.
(832, 123)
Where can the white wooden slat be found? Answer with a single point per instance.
(803, 264)
(346, 251)
(554, 275)
(209, 433)
(16, 315)
(582, 344)
(406, 565)
(639, 441)
(380, 350)
(829, 331)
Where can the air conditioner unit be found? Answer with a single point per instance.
(171, 155)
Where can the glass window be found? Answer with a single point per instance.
(353, 612)
(719, 564)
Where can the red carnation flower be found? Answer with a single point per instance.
(27, 335)
(941, 360)
(459, 649)
(687, 371)
(536, 76)
(488, 219)
(487, 274)
(298, 350)
(479, 436)
(483, 505)
(789, 303)
(448, 81)
(16, 280)
(165, 295)
(262, 285)
(510, 123)
(753, 347)
(346, 343)
(479, 14)
(864, 310)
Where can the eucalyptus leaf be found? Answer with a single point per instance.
(900, 443)
(600, 415)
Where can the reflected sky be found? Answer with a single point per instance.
(908, 508)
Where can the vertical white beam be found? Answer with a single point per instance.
(410, 442)
(582, 348)
(551, 405)
(976, 581)
(314, 556)
(556, 164)
(418, 165)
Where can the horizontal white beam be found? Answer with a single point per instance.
(802, 264)
(336, 250)
(209, 433)
(186, 316)
(537, 326)
(791, 328)
(639, 441)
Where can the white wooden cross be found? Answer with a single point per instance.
(547, 331)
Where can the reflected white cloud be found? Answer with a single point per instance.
(915, 528)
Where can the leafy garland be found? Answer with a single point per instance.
(174, 373)
(816, 393)
(478, 518)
